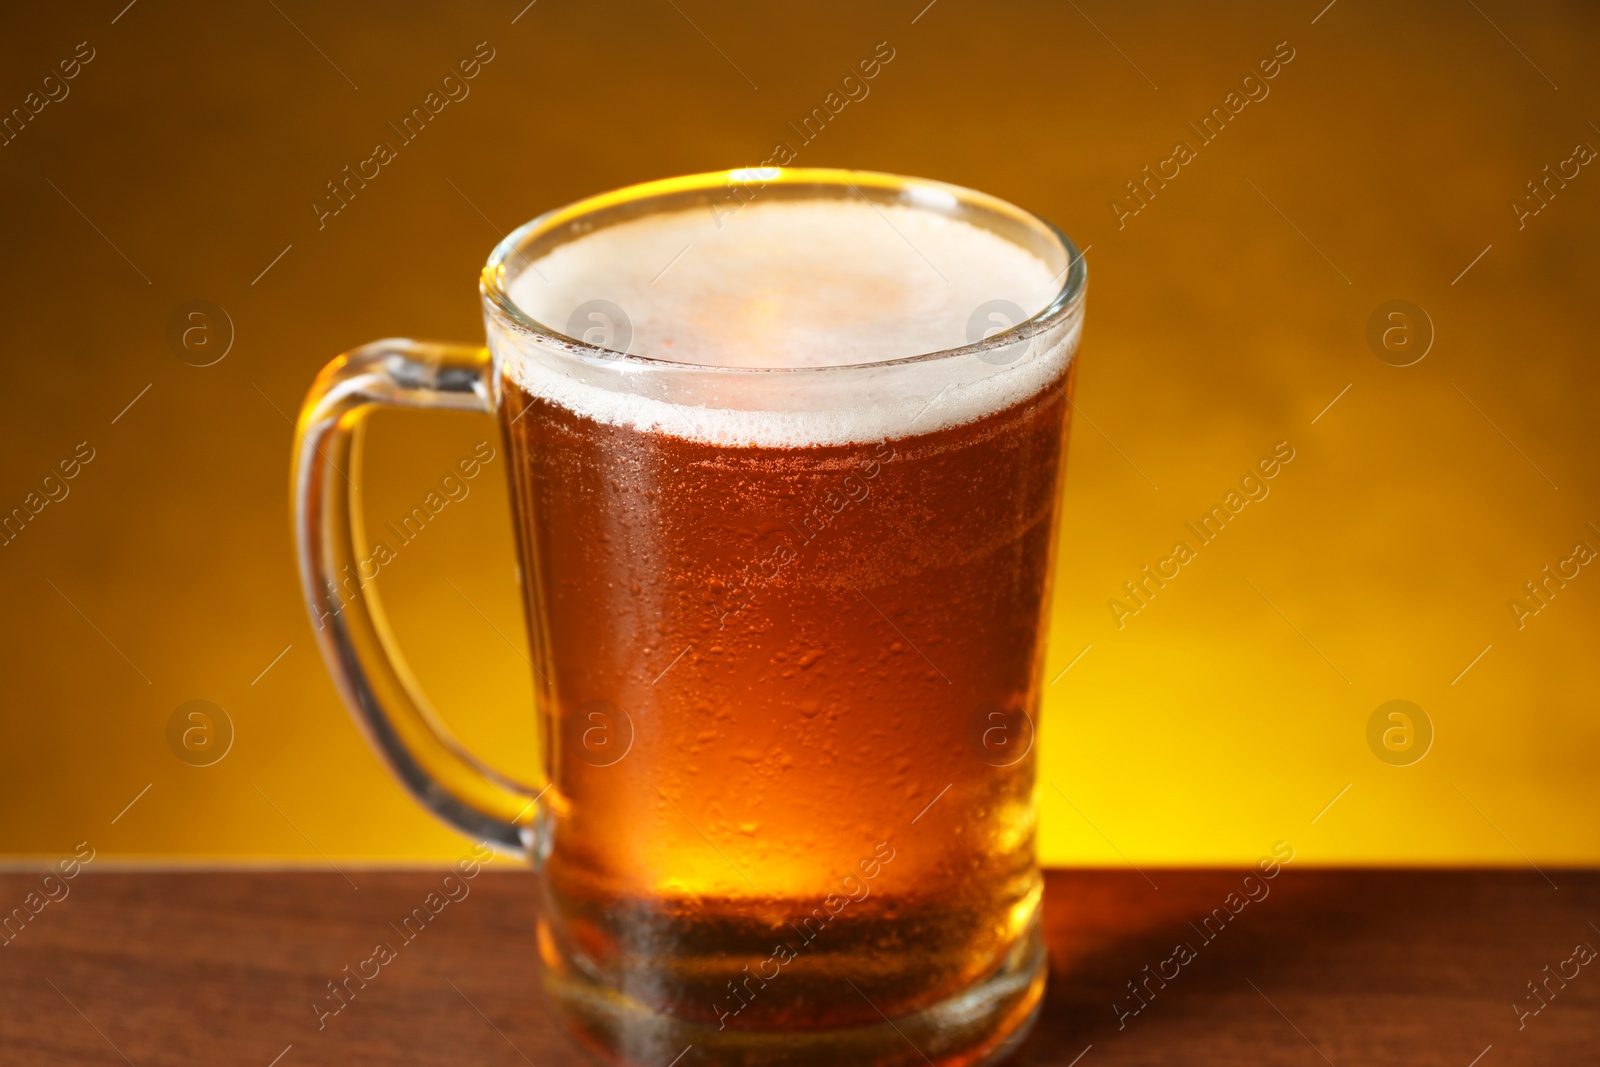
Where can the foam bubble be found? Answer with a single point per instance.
(815, 292)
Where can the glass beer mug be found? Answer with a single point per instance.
(786, 450)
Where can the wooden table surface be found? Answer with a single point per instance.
(1338, 967)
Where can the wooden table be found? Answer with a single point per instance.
(1342, 967)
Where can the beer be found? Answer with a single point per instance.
(786, 619)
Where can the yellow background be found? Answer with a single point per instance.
(1222, 319)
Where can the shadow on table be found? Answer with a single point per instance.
(1335, 950)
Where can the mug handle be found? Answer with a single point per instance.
(348, 617)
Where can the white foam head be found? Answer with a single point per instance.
(783, 284)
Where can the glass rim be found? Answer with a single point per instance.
(1066, 302)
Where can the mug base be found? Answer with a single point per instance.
(981, 1025)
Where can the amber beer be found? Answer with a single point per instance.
(787, 692)
(801, 641)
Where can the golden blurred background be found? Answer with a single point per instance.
(1240, 298)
